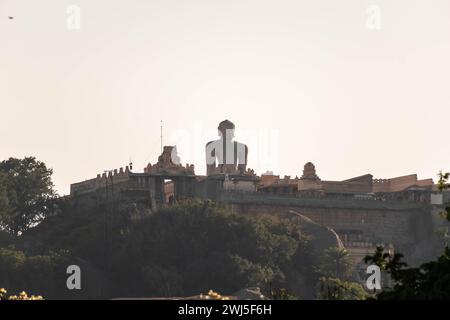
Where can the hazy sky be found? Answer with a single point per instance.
(302, 81)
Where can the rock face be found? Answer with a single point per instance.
(253, 293)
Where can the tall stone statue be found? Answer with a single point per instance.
(226, 156)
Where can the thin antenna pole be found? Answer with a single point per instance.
(161, 138)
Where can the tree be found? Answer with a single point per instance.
(4, 203)
(182, 250)
(335, 263)
(430, 280)
(198, 246)
(443, 184)
(25, 193)
(334, 284)
(336, 289)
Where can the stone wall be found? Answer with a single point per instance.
(376, 222)
(362, 184)
(91, 185)
(400, 183)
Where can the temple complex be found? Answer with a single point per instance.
(363, 211)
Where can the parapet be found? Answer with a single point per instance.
(102, 180)
(400, 183)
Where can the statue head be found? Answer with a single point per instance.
(226, 129)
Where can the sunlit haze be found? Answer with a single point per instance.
(302, 81)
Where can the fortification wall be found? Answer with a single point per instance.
(91, 185)
(346, 187)
(400, 183)
(377, 222)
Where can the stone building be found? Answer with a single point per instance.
(363, 211)
(363, 185)
(164, 182)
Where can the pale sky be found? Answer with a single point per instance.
(309, 76)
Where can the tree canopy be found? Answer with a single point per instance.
(25, 190)
(430, 280)
(186, 249)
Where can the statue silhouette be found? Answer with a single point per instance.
(226, 156)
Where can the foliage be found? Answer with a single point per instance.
(178, 251)
(17, 271)
(183, 249)
(335, 268)
(200, 245)
(4, 202)
(336, 289)
(336, 263)
(25, 193)
(442, 185)
(282, 294)
(430, 280)
(46, 273)
(443, 180)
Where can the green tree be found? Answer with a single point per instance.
(182, 250)
(430, 280)
(443, 184)
(335, 262)
(25, 193)
(4, 202)
(197, 246)
(336, 289)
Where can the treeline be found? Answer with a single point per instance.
(182, 250)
